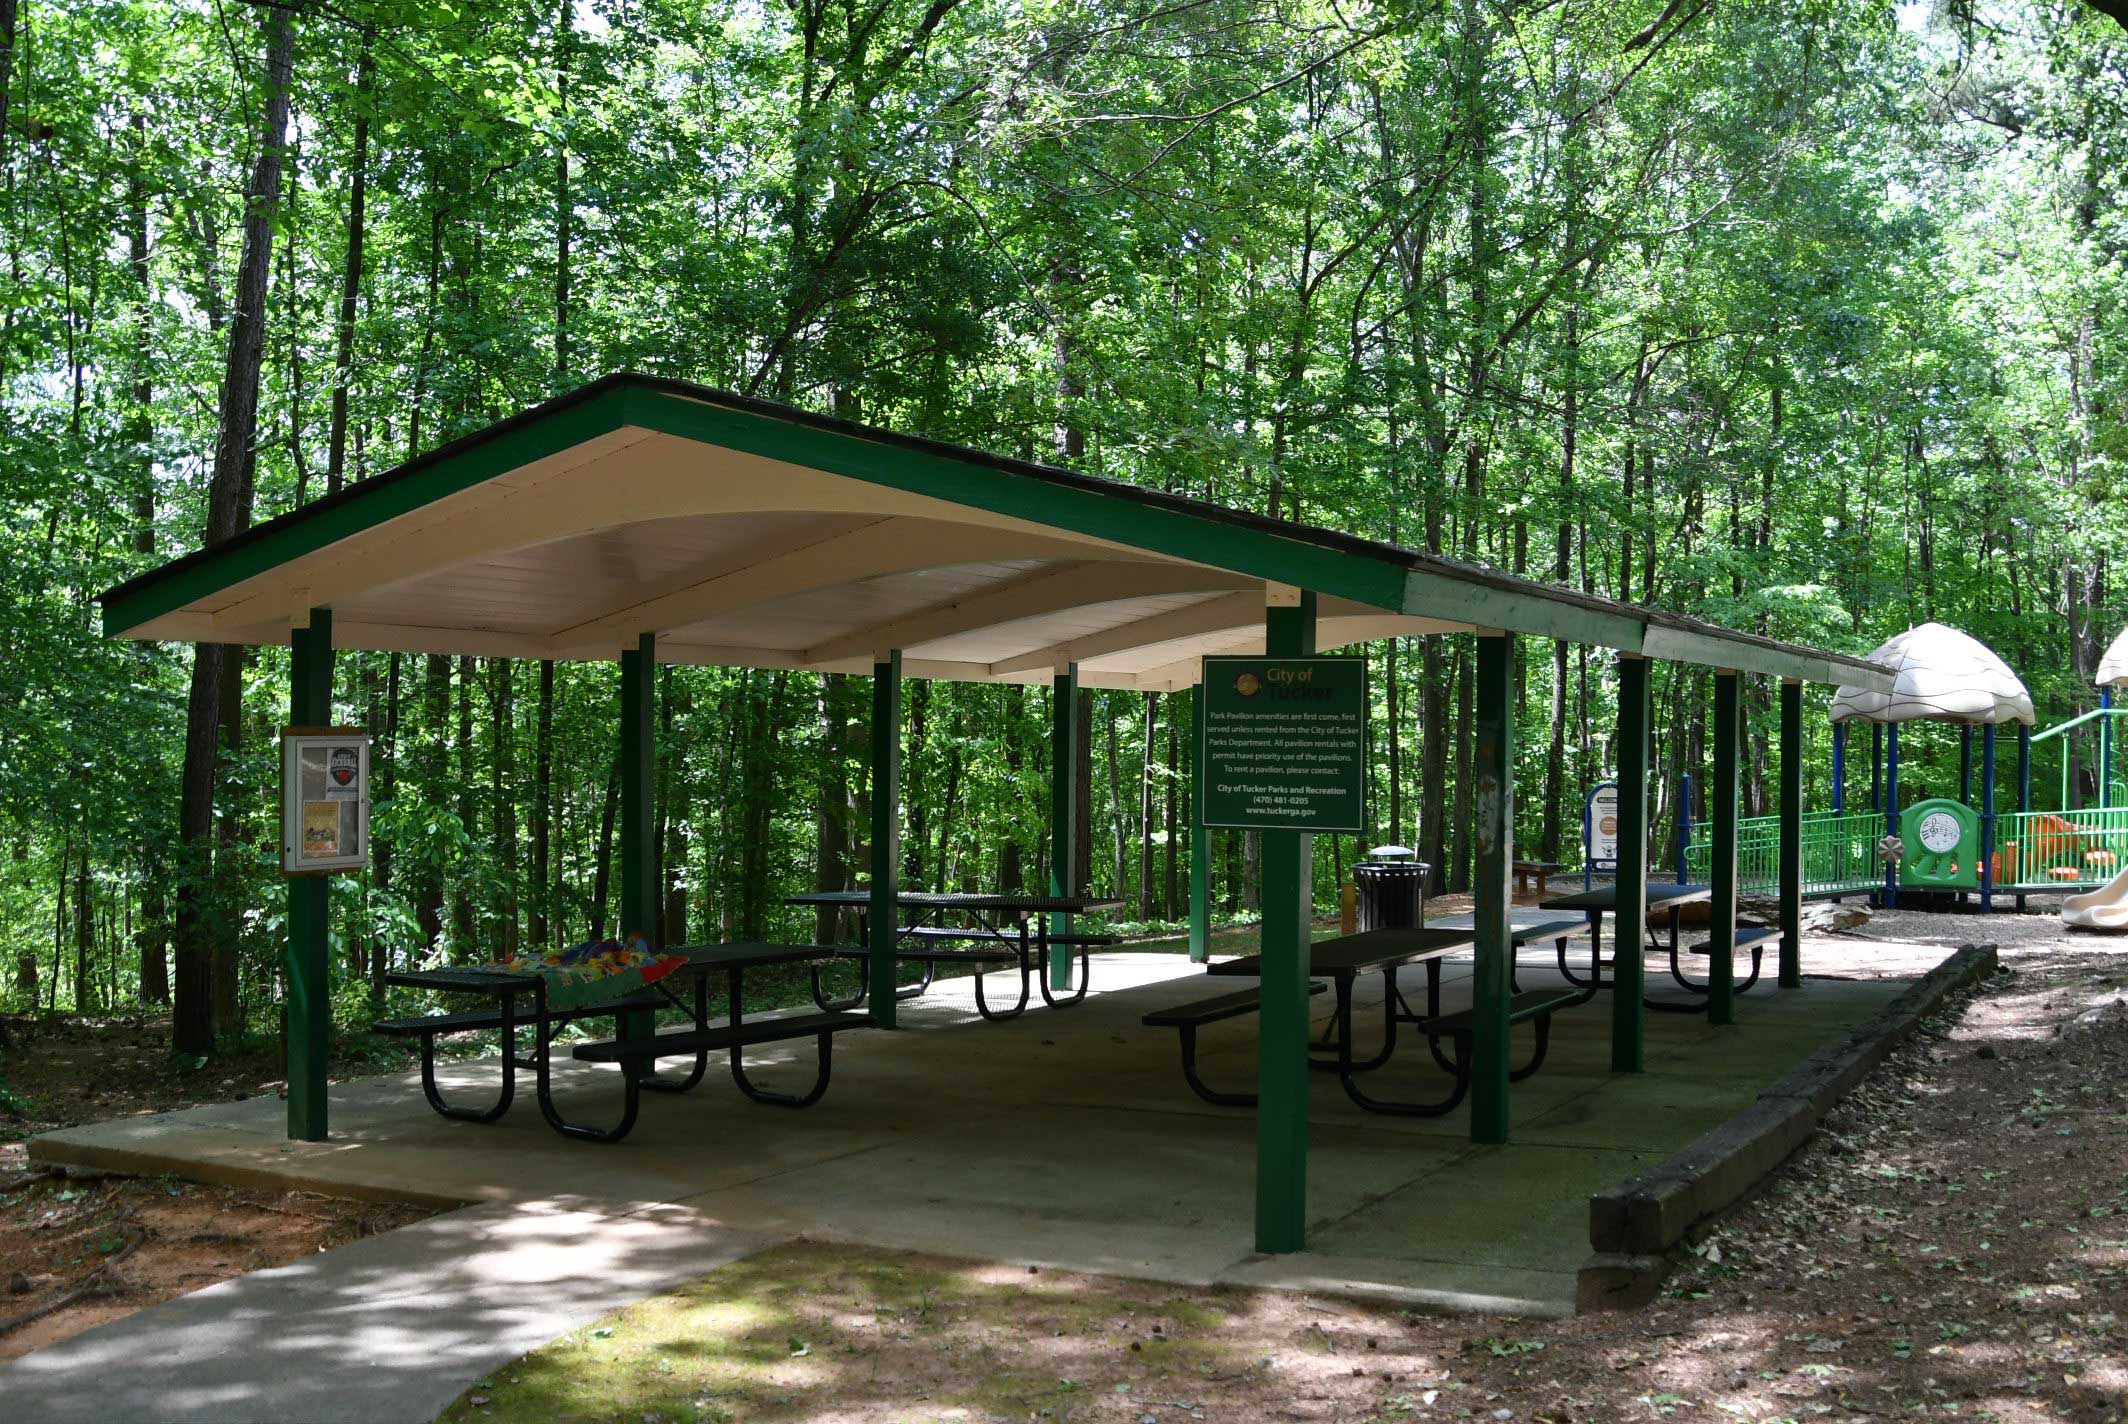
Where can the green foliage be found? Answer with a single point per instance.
(1805, 319)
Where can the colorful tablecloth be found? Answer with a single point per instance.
(593, 971)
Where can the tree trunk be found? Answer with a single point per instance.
(1460, 817)
(351, 273)
(542, 809)
(468, 812)
(1119, 832)
(1012, 873)
(602, 873)
(502, 782)
(831, 805)
(1174, 791)
(228, 511)
(1433, 757)
(1145, 813)
(435, 714)
(151, 936)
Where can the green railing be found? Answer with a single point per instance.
(1839, 853)
(2053, 849)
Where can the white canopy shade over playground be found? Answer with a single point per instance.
(1939, 675)
(2113, 667)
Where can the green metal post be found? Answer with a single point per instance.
(2105, 750)
(1628, 923)
(1200, 839)
(885, 916)
(1282, 1054)
(1063, 812)
(1721, 855)
(639, 896)
(309, 1028)
(1493, 771)
(1792, 833)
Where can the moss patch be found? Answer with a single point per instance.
(809, 1330)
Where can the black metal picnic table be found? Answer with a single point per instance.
(1344, 960)
(1596, 903)
(1004, 919)
(506, 987)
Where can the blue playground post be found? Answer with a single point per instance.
(1684, 825)
(1876, 766)
(1839, 767)
(1891, 813)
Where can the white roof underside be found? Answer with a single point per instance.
(2113, 668)
(734, 559)
(1939, 675)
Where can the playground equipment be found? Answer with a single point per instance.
(1950, 843)
(2105, 908)
(1942, 675)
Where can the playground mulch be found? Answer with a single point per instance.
(1954, 1244)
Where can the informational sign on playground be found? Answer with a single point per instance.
(324, 800)
(1285, 743)
(1600, 827)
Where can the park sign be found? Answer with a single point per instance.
(1599, 827)
(1284, 744)
(324, 800)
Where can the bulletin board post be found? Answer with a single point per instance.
(324, 831)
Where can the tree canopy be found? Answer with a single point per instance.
(1803, 318)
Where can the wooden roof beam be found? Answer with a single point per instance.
(1052, 590)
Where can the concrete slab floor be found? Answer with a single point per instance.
(1068, 1139)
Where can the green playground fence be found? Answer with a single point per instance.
(1839, 853)
(2035, 850)
(2052, 850)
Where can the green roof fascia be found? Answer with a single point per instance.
(1437, 595)
(1098, 512)
(364, 506)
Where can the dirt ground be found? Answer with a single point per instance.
(1953, 1245)
(77, 1252)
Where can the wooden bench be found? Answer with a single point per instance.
(1534, 1006)
(428, 1027)
(1539, 870)
(1188, 1018)
(630, 1053)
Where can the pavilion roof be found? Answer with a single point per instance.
(748, 533)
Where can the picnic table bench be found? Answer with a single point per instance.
(1662, 895)
(1003, 930)
(1188, 1018)
(1345, 959)
(635, 1053)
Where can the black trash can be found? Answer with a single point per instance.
(1390, 883)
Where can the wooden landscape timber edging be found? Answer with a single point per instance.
(1635, 1224)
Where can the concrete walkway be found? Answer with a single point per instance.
(386, 1331)
(1064, 1139)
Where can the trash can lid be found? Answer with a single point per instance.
(1392, 852)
